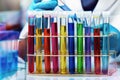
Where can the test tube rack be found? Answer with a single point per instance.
(62, 48)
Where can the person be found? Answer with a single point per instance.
(80, 5)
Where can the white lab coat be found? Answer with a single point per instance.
(113, 6)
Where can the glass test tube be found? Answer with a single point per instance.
(105, 47)
(79, 45)
(63, 65)
(31, 25)
(87, 45)
(47, 44)
(97, 45)
(54, 44)
(38, 43)
(71, 45)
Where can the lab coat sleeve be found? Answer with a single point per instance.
(115, 16)
(115, 21)
(24, 32)
(113, 7)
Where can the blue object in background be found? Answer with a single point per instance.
(3, 62)
(71, 48)
(2, 26)
(9, 35)
(8, 53)
(8, 63)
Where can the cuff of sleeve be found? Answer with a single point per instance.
(115, 21)
(24, 32)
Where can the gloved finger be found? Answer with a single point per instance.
(73, 16)
(36, 1)
(45, 5)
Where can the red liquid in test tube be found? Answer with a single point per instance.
(97, 50)
(54, 47)
(47, 49)
(31, 48)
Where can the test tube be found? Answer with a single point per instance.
(31, 25)
(79, 43)
(63, 65)
(87, 25)
(71, 44)
(97, 62)
(54, 43)
(47, 43)
(38, 43)
(105, 44)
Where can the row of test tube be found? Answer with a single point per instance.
(51, 28)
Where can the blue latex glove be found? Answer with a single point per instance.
(43, 4)
(114, 40)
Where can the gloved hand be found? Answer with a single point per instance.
(35, 5)
(43, 4)
(114, 40)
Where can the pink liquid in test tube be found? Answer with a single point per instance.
(54, 47)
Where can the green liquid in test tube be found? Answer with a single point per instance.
(80, 48)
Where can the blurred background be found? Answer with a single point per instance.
(12, 19)
(13, 14)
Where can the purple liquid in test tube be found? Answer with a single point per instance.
(87, 50)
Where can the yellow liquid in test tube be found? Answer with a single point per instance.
(38, 50)
(63, 66)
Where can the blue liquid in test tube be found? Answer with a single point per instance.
(71, 47)
(87, 25)
(105, 49)
(88, 50)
